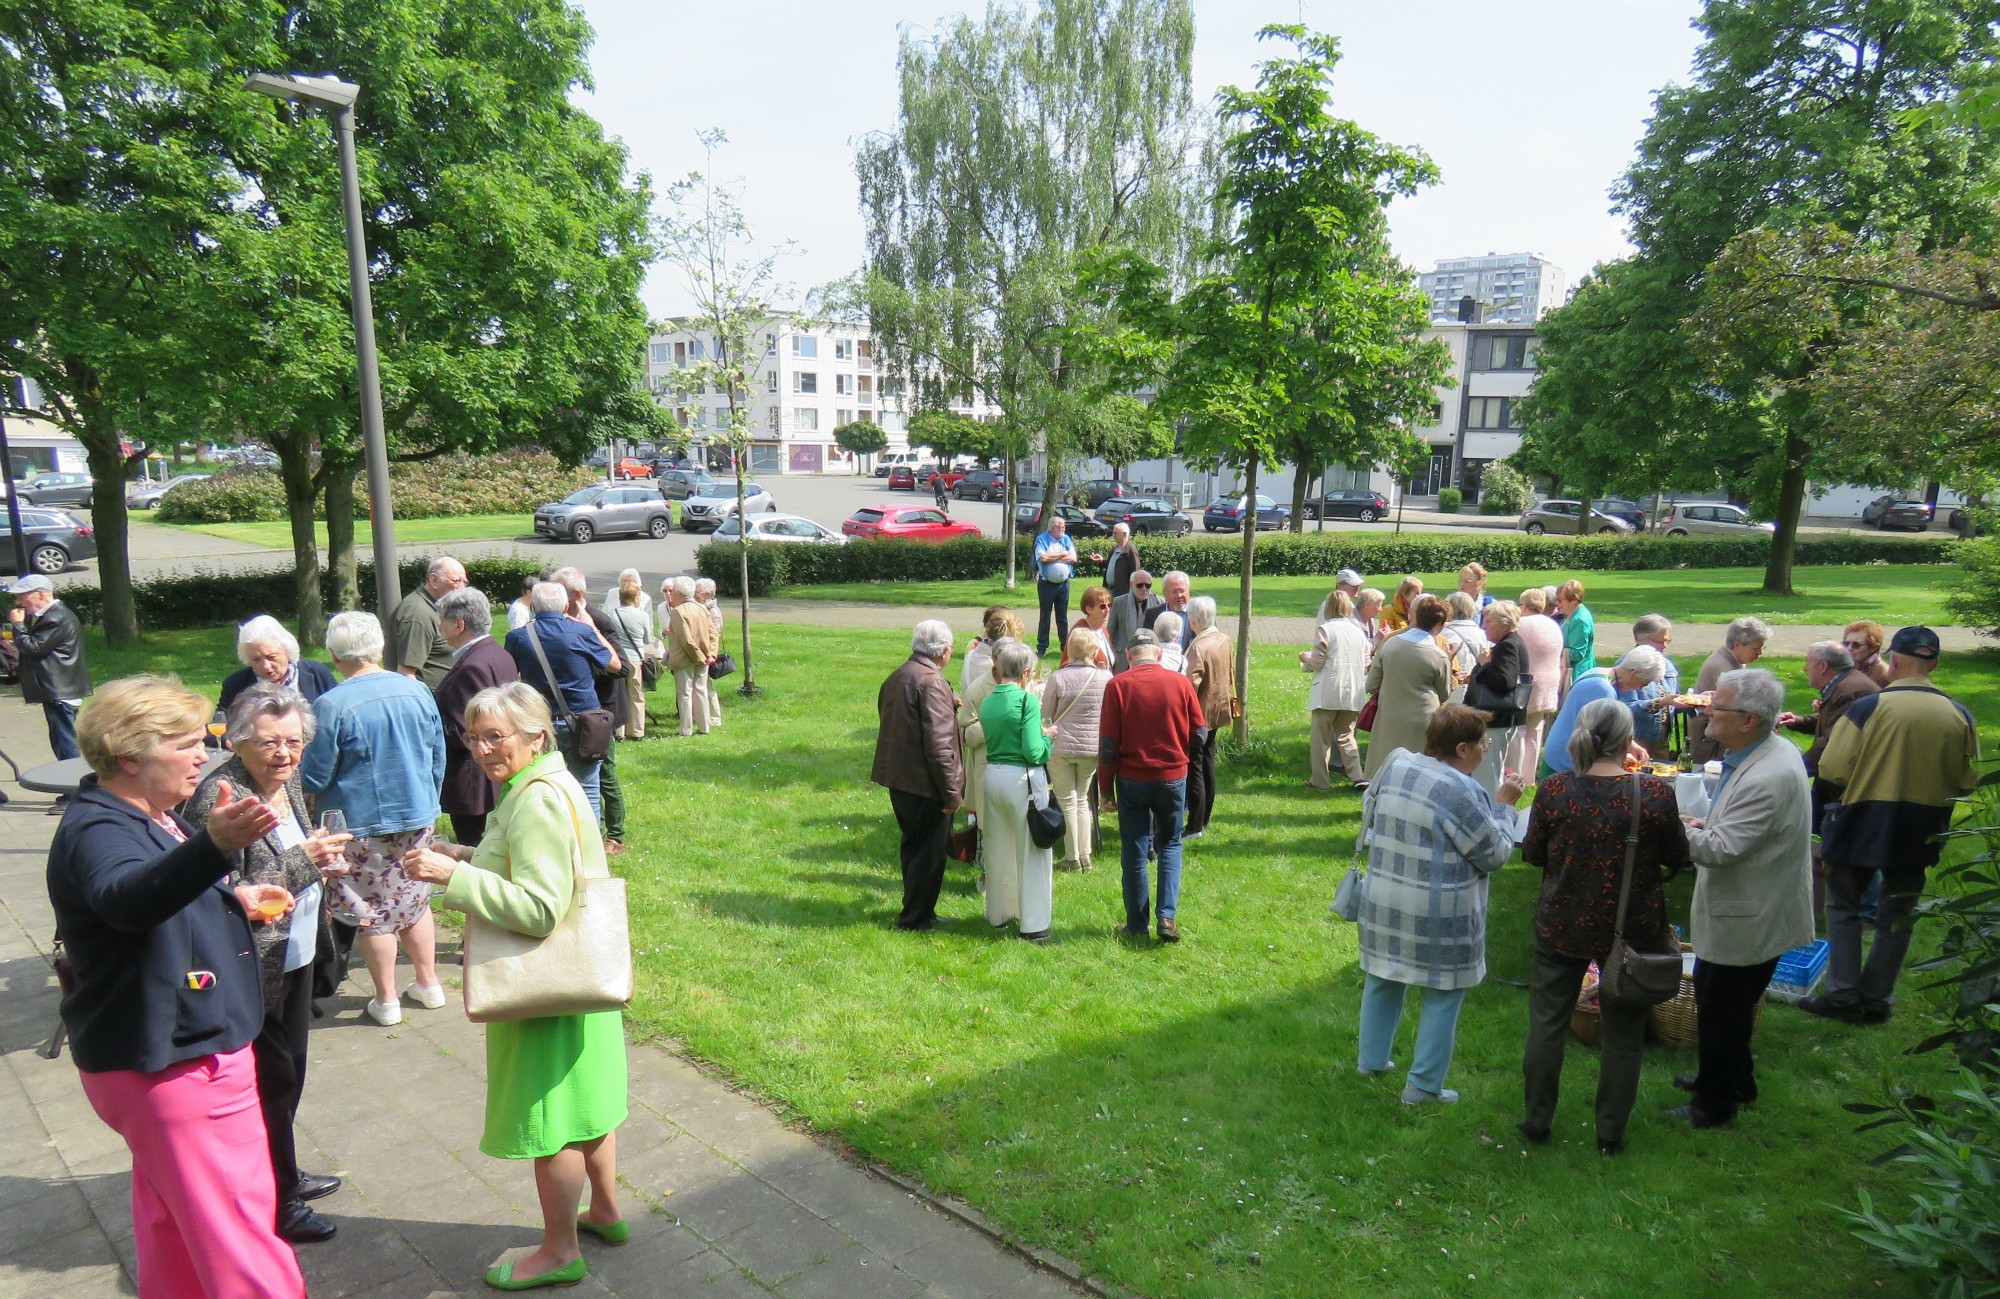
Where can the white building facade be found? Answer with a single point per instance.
(1512, 287)
(813, 378)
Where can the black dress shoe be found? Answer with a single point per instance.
(1610, 1147)
(1534, 1136)
(1693, 1117)
(315, 1186)
(301, 1226)
(1846, 1012)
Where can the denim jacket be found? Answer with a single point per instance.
(379, 753)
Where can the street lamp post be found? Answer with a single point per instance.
(338, 96)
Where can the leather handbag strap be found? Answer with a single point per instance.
(576, 843)
(1631, 856)
(562, 700)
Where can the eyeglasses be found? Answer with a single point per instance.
(1142, 586)
(272, 748)
(1744, 712)
(491, 740)
(1856, 644)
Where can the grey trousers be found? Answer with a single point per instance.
(1552, 987)
(1850, 981)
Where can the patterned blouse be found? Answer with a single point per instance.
(1576, 834)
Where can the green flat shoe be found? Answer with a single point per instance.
(502, 1276)
(611, 1233)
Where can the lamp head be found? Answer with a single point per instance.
(325, 91)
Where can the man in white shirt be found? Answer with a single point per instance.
(1055, 563)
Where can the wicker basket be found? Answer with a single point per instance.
(1672, 1023)
(1586, 1020)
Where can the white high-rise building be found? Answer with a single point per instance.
(812, 379)
(1512, 287)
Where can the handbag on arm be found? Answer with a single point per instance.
(592, 729)
(583, 965)
(1046, 825)
(1632, 977)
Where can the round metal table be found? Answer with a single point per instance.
(66, 776)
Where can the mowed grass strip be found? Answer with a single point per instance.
(278, 534)
(1894, 594)
(1186, 1121)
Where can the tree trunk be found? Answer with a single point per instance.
(1299, 484)
(749, 686)
(301, 493)
(340, 534)
(1583, 517)
(1007, 519)
(114, 559)
(1791, 504)
(1241, 729)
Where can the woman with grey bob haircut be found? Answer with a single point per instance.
(270, 653)
(1603, 731)
(1742, 644)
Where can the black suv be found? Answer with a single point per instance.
(981, 485)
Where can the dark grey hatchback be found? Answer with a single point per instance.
(55, 540)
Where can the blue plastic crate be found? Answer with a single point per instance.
(1799, 972)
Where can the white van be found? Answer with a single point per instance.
(896, 460)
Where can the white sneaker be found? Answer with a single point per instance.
(430, 998)
(386, 1013)
(1415, 1095)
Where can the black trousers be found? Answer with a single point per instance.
(1725, 1010)
(280, 1053)
(1201, 785)
(1553, 984)
(926, 831)
(1054, 598)
(469, 828)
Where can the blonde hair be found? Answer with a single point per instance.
(1475, 570)
(1338, 604)
(1001, 623)
(1534, 600)
(1083, 646)
(520, 706)
(628, 587)
(1407, 590)
(1506, 611)
(132, 716)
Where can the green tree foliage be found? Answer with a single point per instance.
(1797, 116)
(860, 438)
(949, 435)
(1025, 138)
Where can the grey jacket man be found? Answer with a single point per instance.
(1127, 617)
(1753, 892)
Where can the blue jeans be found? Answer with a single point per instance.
(586, 773)
(62, 728)
(1437, 1029)
(1145, 806)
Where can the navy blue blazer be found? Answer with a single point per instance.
(165, 967)
(315, 679)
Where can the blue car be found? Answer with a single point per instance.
(1225, 514)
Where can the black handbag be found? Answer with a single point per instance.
(1046, 825)
(1478, 695)
(1632, 977)
(722, 667)
(590, 731)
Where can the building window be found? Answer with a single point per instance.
(1504, 353)
(805, 381)
(770, 344)
(864, 350)
(771, 419)
(806, 419)
(1492, 412)
(843, 349)
(680, 353)
(841, 417)
(770, 381)
(663, 353)
(843, 385)
(805, 345)
(697, 352)
(864, 387)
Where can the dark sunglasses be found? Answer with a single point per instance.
(1856, 644)
(1142, 586)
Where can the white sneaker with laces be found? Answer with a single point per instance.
(430, 998)
(386, 1013)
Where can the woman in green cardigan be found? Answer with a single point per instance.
(555, 1087)
(1020, 878)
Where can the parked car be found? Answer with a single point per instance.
(706, 512)
(1887, 512)
(679, 484)
(58, 489)
(1624, 508)
(1727, 520)
(1144, 514)
(1097, 491)
(632, 467)
(150, 496)
(1360, 503)
(1225, 514)
(605, 509)
(55, 539)
(780, 527)
(1562, 516)
(668, 463)
(949, 477)
(913, 522)
(1080, 523)
(902, 479)
(981, 485)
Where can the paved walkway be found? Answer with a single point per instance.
(725, 1201)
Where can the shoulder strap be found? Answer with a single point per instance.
(576, 849)
(562, 700)
(1631, 856)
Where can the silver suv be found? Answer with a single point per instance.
(1727, 520)
(605, 509)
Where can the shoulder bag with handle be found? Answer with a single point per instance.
(584, 965)
(1046, 825)
(1631, 977)
(1351, 892)
(590, 730)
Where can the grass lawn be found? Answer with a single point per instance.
(1895, 594)
(1186, 1121)
(464, 527)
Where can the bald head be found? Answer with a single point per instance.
(445, 574)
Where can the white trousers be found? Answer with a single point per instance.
(691, 689)
(1020, 878)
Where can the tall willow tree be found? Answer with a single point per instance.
(1025, 139)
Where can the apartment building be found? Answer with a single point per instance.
(1512, 287)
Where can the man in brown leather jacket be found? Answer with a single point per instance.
(917, 760)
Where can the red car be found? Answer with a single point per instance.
(914, 522)
(631, 468)
(948, 477)
(902, 479)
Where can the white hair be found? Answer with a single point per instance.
(1746, 629)
(1201, 612)
(1121, 526)
(266, 699)
(468, 605)
(931, 638)
(265, 630)
(354, 637)
(571, 580)
(1168, 627)
(1650, 625)
(1012, 660)
(548, 597)
(1644, 662)
(1757, 693)
(1832, 653)
(704, 588)
(1173, 573)
(684, 587)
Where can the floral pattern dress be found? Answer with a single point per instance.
(376, 894)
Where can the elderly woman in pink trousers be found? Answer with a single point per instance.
(1544, 640)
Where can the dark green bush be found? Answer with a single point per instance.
(243, 495)
(1312, 554)
(1449, 499)
(203, 598)
(502, 483)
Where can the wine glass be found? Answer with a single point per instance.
(217, 726)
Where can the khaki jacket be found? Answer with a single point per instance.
(1211, 670)
(691, 637)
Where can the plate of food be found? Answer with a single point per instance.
(1700, 700)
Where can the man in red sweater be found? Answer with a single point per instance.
(1149, 723)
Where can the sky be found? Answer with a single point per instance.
(1530, 109)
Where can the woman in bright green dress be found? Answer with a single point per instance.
(555, 1087)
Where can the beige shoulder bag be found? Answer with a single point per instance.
(584, 965)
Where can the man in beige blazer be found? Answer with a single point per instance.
(1753, 895)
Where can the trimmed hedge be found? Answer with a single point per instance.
(1449, 500)
(505, 482)
(204, 597)
(1308, 555)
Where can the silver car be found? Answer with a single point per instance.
(605, 509)
(1727, 520)
(704, 513)
(149, 496)
(1561, 516)
(792, 528)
